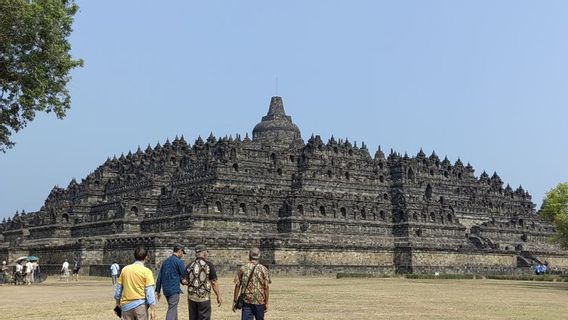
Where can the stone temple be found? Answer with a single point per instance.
(311, 207)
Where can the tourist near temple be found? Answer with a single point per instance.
(312, 206)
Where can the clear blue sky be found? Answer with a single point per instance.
(486, 81)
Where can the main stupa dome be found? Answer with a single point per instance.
(276, 127)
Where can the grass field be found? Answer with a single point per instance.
(318, 298)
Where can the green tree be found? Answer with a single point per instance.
(35, 62)
(555, 210)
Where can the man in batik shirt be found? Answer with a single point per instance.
(255, 291)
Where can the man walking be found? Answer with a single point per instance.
(114, 269)
(29, 268)
(170, 276)
(35, 272)
(201, 278)
(3, 272)
(134, 292)
(65, 270)
(76, 268)
(19, 273)
(252, 280)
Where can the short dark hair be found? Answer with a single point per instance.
(140, 253)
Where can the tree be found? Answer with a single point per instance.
(555, 210)
(35, 62)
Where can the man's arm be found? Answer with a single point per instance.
(236, 293)
(118, 293)
(215, 287)
(214, 284)
(182, 272)
(266, 295)
(265, 286)
(237, 290)
(151, 301)
(159, 284)
(185, 276)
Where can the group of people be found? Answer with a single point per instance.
(541, 268)
(65, 270)
(26, 272)
(136, 293)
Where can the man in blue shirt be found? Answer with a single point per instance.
(169, 278)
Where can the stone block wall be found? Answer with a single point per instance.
(336, 257)
(555, 262)
(459, 259)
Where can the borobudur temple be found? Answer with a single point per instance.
(311, 207)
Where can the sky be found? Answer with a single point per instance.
(483, 81)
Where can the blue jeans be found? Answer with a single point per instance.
(256, 310)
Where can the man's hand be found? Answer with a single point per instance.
(266, 308)
(158, 296)
(219, 300)
(234, 306)
(152, 312)
(184, 282)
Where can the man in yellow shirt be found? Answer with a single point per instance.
(134, 292)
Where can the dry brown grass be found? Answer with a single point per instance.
(318, 298)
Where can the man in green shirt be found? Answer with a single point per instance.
(253, 281)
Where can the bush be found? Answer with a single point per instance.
(340, 275)
(527, 277)
(440, 276)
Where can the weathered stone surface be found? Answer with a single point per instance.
(311, 206)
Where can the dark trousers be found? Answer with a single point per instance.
(172, 313)
(199, 310)
(250, 310)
